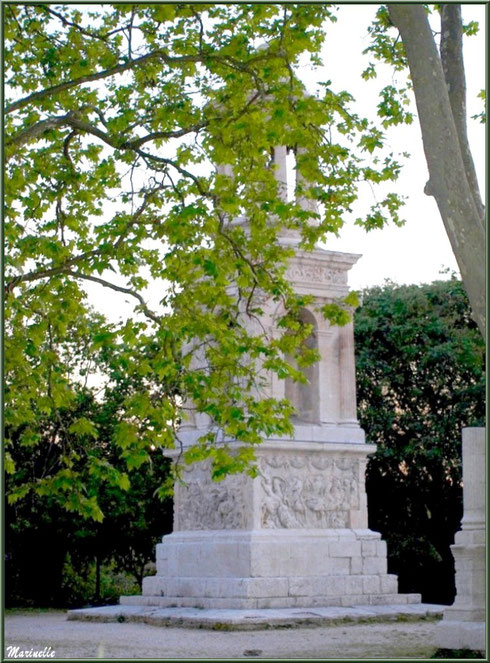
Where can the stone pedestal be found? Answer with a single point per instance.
(296, 536)
(463, 626)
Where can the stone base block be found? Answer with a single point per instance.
(271, 569)
(465, 612)
(271, 603)
(270, 554)
(460, 635)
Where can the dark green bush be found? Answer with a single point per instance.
(78, 587)
(58, 558)
(420, 379)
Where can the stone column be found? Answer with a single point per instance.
(348, 407)
(463, 626)
(329, 376)
(280, 154)
(225, 169)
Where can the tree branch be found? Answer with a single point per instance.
(178, 168)
(74, 120)
(65, 21)
(62, 269)
(35, 130)
(121, 68)
(61, 87)
(117, 288)
(138, 142)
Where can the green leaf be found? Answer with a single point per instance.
(84, 426)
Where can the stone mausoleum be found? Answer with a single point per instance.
(297, 535)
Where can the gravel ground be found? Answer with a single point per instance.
(72, 639)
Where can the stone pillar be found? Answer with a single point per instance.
(348, 406)
(463, 626)
(281, 174)
(328, 343)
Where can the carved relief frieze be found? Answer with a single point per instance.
(297, 491)
(308, 491)
(316, 274)
(201, 504)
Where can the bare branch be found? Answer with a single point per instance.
(130, 34)
(66, 146)
(201, 27)
(183, 171)
(36, 130)
(73, 119)
(138, 142)
(77, 26)
(117, 288)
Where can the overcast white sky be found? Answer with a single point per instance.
(416, 252)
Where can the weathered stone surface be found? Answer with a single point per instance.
(291, 566)
(389, 584)
(255, 618)
(461, 634)
(203, 505)
(306, 490)
(463, 625)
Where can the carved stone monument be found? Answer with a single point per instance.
(297, 535)
(463, 626)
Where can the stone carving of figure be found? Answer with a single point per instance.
(271, 501)
(293, 498)
(320, 462)
(316, 499)
(202, 507)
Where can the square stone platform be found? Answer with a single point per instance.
(258, 619)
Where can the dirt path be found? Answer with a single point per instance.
(129, 640)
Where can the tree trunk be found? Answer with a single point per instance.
(452, 63)
(448, 181)
(97, 579)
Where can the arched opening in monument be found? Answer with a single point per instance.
(305, 397)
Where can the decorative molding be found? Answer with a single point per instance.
(316, 274)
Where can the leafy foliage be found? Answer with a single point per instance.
(116, 118)
(80, 557)
(420, 377)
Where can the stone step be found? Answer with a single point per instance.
(255, 619)
(271, 603)
(277, 587)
